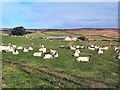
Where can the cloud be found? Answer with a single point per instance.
(60, 15)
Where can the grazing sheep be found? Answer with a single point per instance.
(20, 47)
(38, 54)
(84, 59)
(47, 56)
(25, 50)
(30, 48)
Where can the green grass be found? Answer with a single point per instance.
(102, 67)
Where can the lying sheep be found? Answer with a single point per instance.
(42, 50)
(52, 51)
(72, 48)
(30, 48)
(76, 54)
(91, 48)
(20, 47)
(56, 54)
(38, 54)
(15, 52)
(84, 59)
(77, 51)
(25, 50)
(99, 51)
(47, 56)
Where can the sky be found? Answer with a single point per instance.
(60, 15)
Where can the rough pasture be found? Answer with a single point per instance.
(26, 71)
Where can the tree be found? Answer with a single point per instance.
(18, 31)
(83, 38)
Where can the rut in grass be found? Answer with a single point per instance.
(46, 73)
(87, 79)
(58, 77)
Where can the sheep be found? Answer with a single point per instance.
(105, 48)
(20, 47)
(52, 51)
(72, 48)
(25, 50)
(91, 48)
(15, 52)
(84, 59)
(77, 46)
(99, 51)
(43, 50)
(14, 46)
(11, 49)
(77, 51)
(42, 46)
(56, 54)
(47, 56)
(30, 48)
(62, 46)
(76, 54)
(82, 47)
(38, 54)
(119, 57)
(96, 47)
(116, 49)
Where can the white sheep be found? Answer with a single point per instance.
(56, 54)
(42, 50)
(99, 51)
(15, 52)
(84, 59)
(47, 56)
(25, 50)
(91, 48)
(52, 51)
(105, 48)
(20, 47)
(72, 48)
(77, 51)
(30, 48)
(76, 54)
(38, 54)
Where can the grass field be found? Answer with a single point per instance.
(26, 71)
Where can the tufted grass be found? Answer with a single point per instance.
(101, 67)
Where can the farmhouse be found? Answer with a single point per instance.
(68, 38)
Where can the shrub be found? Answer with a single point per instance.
(18, 31)
(83, 38)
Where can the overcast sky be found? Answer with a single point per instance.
(60, 14)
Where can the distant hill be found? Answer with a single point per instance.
(45, 30)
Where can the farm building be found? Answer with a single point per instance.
(68, 38)
(56, 38)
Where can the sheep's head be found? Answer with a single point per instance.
(89, 56)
